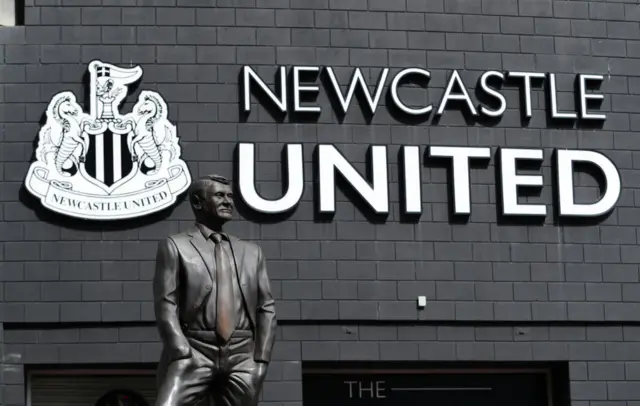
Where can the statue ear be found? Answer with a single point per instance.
(196, 202)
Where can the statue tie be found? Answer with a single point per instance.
(225, 299)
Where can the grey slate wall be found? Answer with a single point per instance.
(55, 270)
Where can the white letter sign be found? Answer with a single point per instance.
(460, 161)
(568, 207)
(331, 160)
(511, 180)
(295, 177)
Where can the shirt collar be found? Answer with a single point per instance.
(207, 232)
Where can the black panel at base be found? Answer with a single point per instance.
(449, 385)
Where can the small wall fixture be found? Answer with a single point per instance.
(11, 13)
(422, 302)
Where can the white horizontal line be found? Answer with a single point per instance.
(439, 389)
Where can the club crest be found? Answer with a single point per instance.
(104, 165)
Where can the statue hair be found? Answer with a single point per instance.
(200, 186)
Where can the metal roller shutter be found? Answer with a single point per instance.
(79, 389)
(85, 388)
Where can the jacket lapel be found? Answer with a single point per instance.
(239, 251)
(201, 245)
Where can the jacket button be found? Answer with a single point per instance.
(208, 287)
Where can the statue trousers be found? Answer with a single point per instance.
(224, 371)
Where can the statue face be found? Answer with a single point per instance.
(219, 202)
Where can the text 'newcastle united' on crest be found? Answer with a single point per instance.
(105, 165)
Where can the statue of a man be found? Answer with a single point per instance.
(214, 307)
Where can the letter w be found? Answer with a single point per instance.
(356, 79)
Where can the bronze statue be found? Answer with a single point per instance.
(214, 308)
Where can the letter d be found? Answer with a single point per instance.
(564, 167)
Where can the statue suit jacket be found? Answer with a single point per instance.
(182, 281)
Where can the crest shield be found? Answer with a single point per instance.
(104, 165)
(108, 158)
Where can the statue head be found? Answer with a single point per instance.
(211, 198)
